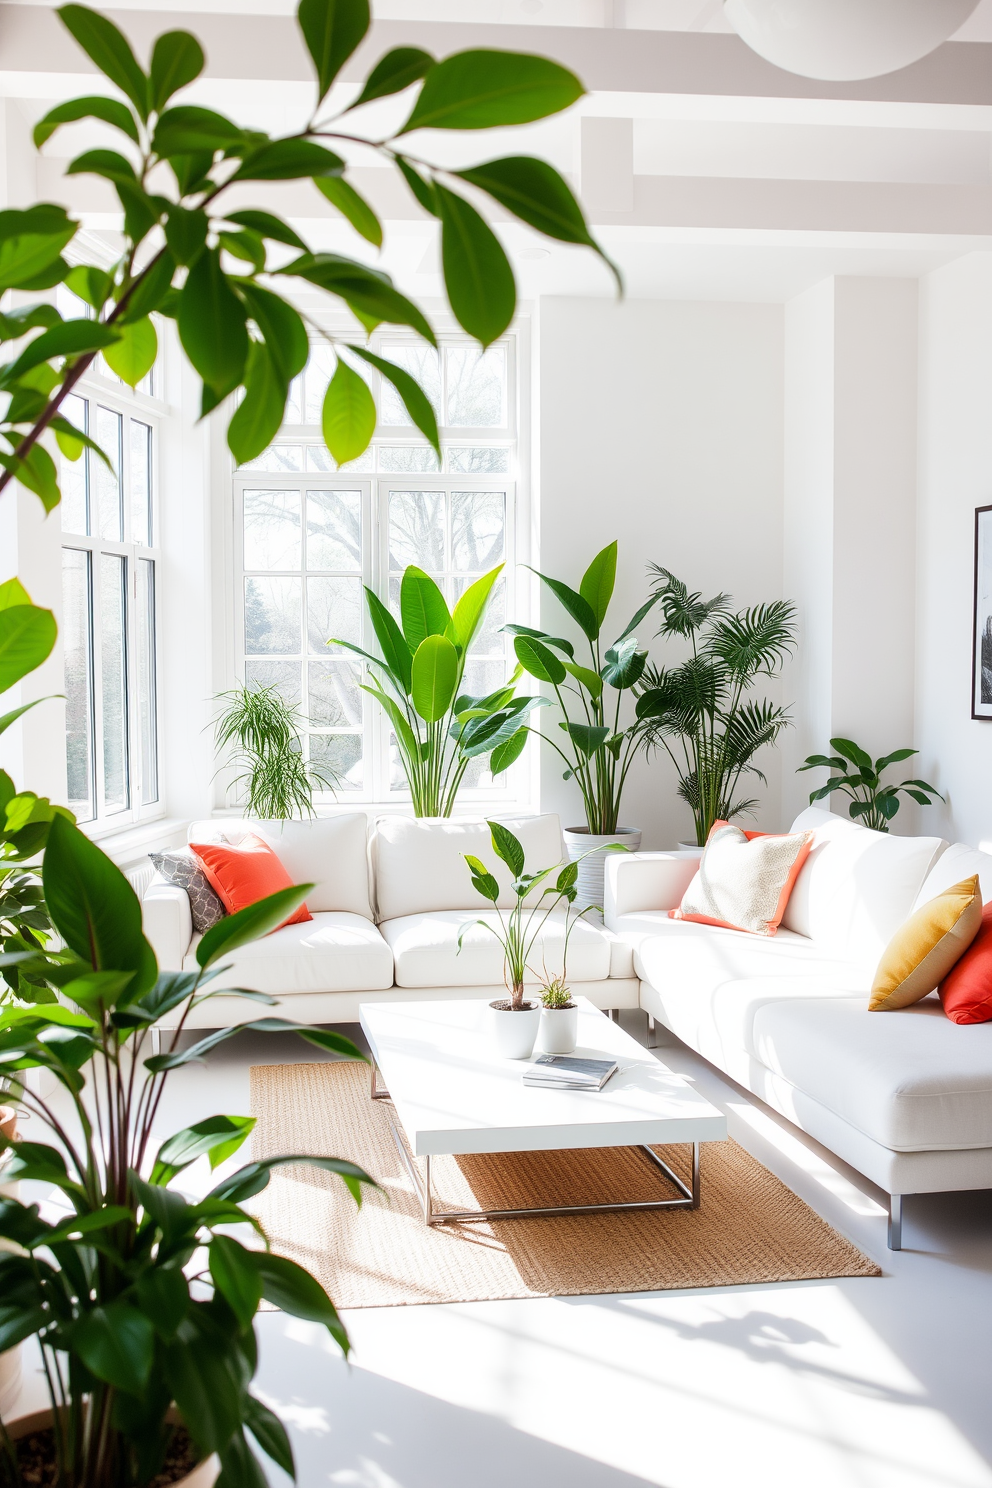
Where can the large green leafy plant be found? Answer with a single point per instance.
(700, 711)
(872, 802)
(598, 748)
(139, 1297)
(417, 681)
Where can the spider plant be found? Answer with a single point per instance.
(261, 730)
(871, 801)
(700, 711)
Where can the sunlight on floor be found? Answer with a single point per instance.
(808, 1161)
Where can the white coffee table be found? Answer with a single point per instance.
(452, 1094)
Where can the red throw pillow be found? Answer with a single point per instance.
(244, 874)
(966, 991)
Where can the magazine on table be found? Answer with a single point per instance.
(569, 1072)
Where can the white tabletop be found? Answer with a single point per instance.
(453, 1094)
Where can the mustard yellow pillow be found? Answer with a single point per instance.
(924, 949)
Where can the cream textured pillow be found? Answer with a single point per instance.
(744, 879)
(927, 946)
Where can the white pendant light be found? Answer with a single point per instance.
(842, 40)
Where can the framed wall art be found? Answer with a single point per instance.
(981, 664)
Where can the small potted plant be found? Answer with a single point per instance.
(559, 1030)
(876, 804)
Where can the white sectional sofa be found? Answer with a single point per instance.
(904, 1097)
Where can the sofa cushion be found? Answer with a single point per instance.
(419, 864)
(955, 863)
(914, 1082)
(425, 950)
(246, 873)
(926, 947)
(331, 852)
(332, 952)
(744, 879)
(966, 991)
(857, 886)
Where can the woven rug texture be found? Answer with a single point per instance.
(749, 1228)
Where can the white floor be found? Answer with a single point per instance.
(881, 1383)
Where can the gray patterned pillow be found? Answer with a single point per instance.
(180, 867)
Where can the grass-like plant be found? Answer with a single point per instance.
(556, 994)
(872, 802)
(261, 731)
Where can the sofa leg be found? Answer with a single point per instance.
(614, 1013)
(652, 1033)
(895, 1222)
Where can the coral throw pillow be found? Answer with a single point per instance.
(966, 990)
(924, 949)
(244, 874)
(744, 879)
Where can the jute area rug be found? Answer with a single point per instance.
(749, 1228)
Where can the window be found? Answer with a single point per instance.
(309, 536)
(108, 627)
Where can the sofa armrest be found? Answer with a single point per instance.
(645, 880)
(168, 922)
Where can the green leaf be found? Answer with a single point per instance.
(150, 289)
(624, 664)
(288, 160)
(250, 924)
(393, 72)
(218, 1136)
(280, 324)
(107, 163)
(256, 420)
(246, 245)
(110, 50)
(189, 129)
(470, 608)
(423, 191)
(368, 292)
(27, 638)
(116, 1343)
(341, 194)
(413, 397)
(392, 643)
(141, 211)
(177, 58)
(252, 1178)
(590, 680)
(542, 635)
(638, 617)
(504, 755)
(484, 89)
(332, 30)
(348, 415)
(538, 660)
(134, 354)
(202, 1375)
(71, 338)
(110, 110)
(14, 323)
(853, 752)
(269, 227)
(422, 607)
(482, 880)
(434, 677)
(211, 324)
(507, 847)
(89, 1224)
(186, 233)
(7, 719)
(598, 582)
(587, 739)
(477, 273)
(893, 759)
(236, 1277)
(31, 242)
(579, 608)
(91, 284)
(287, 1286)
(239, 1467)
(163, 1296)
(270, 1433)
(534, 191)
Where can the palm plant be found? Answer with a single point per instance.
(699, 712)
(876, 804)
(417, 681)
(262, 732)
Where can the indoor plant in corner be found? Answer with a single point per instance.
(130, 1333)
(872, 802)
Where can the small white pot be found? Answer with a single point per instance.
(691, 847)
(514, 1034)
(559, 1030)
(579, 840)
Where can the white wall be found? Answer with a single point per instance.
(955, 477)
(660, 424)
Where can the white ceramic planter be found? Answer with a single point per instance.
(514, 1034)
(579, 840)
(559, 1030)
(204, 1474)
(691, 847)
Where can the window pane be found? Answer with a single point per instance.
(480, 678)
(477, 459)
(319, 371)
(77, 647)
(319, 458)
(334, 611)
(147, 383)
(422, 363)
(416, 529)
(107, 483)
(276, 458)
(113, 670)
(146, 679)
(476, 529)
(488, 640)
(285, 675)
(272, 529)
(397, 459)
(341, 756)
(334, 530)
(272, 617)
(294, 403)
(73, 474)
(141, 483)
(335, 698)
(476, 383)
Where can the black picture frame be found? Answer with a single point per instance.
(981, 639)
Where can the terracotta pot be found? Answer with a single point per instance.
(204, 1474)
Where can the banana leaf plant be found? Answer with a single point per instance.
(140, 1298)
(598, 749)
(417, 681)
(871, 802)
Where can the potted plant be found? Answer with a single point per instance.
(417, 682)
(872, 802)
(261, 731)
(129, 1334)
(515, 1020)
(597, 750)
(700, 711)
